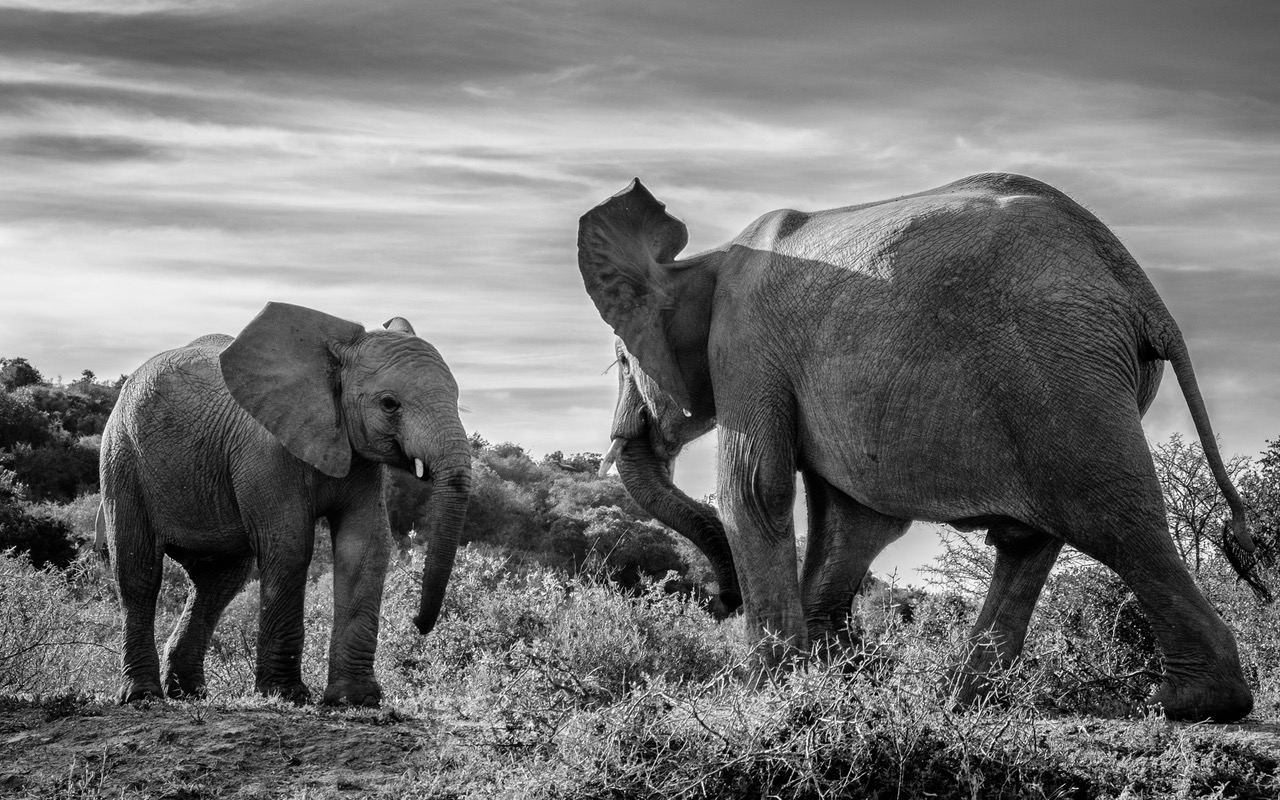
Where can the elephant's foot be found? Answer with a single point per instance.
(730, 601)
(980, 676)
(296, 693)
(184, 687)
(353, 693)
(138, 692)
(968, 688)
(1220, 701)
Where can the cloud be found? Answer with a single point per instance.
(80, 148)
(171, 166)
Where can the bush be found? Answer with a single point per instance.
(18, 372)
(519, 632)
(41, 539)
(1093, 644)
(843, 729)
(55, 637)
(631, 550)
(23, 423)
(79, 516)
(57, 472)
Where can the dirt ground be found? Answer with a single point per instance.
(188, 751)
(181, 751)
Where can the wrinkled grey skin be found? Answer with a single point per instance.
(223, 454)
(979, 354)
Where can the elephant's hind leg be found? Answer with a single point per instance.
(1117, 517)
(844, 538)
(215, 581)
(1024, 557)
(137, 562)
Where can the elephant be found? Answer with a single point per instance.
(979, 354)
(223, 454)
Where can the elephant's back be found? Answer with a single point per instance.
(990, 229)
(174, 416)
(176, 383)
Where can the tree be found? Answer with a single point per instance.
(1260, 488)
(1194, 505)
(44, 540)
(18, 372)
(22, 423)
(632, 549)
(58, 472)
(81, 408)
(578, 462)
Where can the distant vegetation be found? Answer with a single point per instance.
(583, 690)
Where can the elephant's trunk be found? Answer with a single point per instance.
(647, 477)
(451, 476)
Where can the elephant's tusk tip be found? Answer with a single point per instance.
(611, 456)
(417, 467)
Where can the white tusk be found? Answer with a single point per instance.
(611, 456)
(417, 467)
(687, 412)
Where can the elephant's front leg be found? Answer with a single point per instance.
(361, 547)
(756, 489)
(844, 538)
(1024, 557)
(284, 553)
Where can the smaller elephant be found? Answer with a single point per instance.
(223, 454)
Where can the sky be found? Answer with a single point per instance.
(169, 166)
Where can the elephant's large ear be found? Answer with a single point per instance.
(283, 369)
(626, 249)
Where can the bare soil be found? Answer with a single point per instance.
(187, 751)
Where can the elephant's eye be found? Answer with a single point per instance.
(389, 404)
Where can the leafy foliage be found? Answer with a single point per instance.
(44, 540)
(50, 433)
(22, 423)
(18, 372)
(555, 512)
(1194, 505)
(59, 472)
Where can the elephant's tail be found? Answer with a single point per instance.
(1237, 543)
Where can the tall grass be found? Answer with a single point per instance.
(560, 687)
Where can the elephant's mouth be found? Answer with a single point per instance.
(414, 466)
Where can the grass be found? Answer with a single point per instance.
(535, 684)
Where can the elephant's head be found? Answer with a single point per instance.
(625, 251)
(332, 393)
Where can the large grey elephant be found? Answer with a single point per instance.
(979, 354)
(223, 454)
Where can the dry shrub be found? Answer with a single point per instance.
(866, 724)
(524, 637)
(57, 635)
